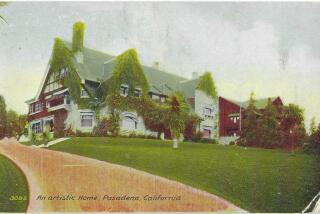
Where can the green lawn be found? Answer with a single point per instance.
(14, 192)
(257, 180)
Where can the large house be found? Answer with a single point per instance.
(232, 114)
(54, 107)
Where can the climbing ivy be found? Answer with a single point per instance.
(128, 70)
(206, 84)
(62, 59)
(78, 36)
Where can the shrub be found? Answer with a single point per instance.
(69, 133)
(232, 143)
(197, 137)
(208, 141)
(103, 128)
(84, 134)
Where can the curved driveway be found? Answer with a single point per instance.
(58, 174)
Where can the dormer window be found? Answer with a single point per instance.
(124, 89)
(137, 92)
(84, 93)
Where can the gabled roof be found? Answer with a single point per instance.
(98, 66)
(259, 103)
(92, 66)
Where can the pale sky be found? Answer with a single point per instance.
(270, 48)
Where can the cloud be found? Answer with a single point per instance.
(266, 48)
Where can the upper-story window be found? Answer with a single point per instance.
(84, 93)
(208, 111)
(124, 89)
(234, 118)
(36, 107)
(54, 80)
(137, 92)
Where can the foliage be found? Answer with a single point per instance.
(176, 114)
(207, 85)
(12, 183)
(250, 132)
(313, 127)
(313, 144)
(62, 59)
(15, 124)
(269, 126)
(33, 138)
(3, 117)
(46, 135)
(190, 130)
(108, 126)
(292, 126)
(257, 180)
(114, 124)
(102, 128)
(128, 71)
(78, 36)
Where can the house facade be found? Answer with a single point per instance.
(53, 106)
(232, 114)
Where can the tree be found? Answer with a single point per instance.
(176, 116)
(313, 127)
(15, 124)
(292, 126)
(206, 84)
(3, 117)
(250, 131)
(269, 126)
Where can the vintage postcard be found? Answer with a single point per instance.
(160, 107)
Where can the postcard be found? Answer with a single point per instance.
(159, 107)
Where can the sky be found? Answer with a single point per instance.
(270, 48)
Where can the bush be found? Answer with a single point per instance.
(102, 129)
(232, 143)
(84, 134)
(208, 141)
(197, 137)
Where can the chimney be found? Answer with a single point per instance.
(77, 40)
(195, 75)
(155, 65)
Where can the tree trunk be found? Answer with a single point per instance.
(175, 143)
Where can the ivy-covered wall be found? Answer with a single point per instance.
(206, 84)
(62, 58)
(128, 70)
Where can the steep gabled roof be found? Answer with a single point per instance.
(259, 103)
(92, 66)
(98, 66)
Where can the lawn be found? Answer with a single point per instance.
(14, 192)
(257, 180)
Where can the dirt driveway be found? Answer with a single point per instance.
(86, 184)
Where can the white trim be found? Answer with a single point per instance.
(60, 92)
(44, 78)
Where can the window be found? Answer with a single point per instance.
(36, 127)
(84, 93)
(137, 92)
(36, 107)
(54, 79)
(129, 123)
(124, 89)
(86, 119)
